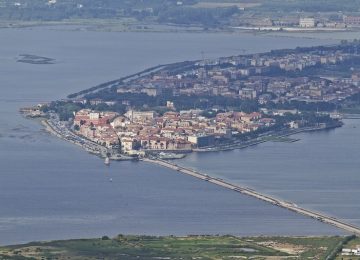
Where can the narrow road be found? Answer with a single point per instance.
(247, 191)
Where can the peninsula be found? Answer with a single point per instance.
(210, 104)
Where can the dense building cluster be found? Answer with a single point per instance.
(257, 77)
(173, 131)
(96, 126)
(157, 122)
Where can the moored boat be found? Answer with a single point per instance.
(107, 161)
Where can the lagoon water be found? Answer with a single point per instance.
(50, 189)
(319, 172)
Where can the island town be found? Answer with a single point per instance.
(163, 113)
(211, 104)
(173, 131)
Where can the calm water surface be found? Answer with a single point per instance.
(50, 189)
(320, 172)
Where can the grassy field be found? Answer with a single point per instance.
(192, 247)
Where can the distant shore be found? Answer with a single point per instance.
(131, 25)
(292, 29)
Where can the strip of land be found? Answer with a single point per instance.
(190, 247)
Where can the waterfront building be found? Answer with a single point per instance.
(307, 22)
(202, 140)
(128, 144)
(352, 20)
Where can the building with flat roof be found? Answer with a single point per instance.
(352, 20)
(202, 140)
(307, 22)
(140, 115)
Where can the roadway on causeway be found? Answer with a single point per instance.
(247, 191)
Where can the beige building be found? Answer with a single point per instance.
(128, 144)
(140, 115)
(151, 91)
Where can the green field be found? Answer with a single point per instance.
(191, 247)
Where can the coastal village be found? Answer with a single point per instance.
(212, 105)
(173, 131)
(261, 77)
(195, 106)
(165, 112)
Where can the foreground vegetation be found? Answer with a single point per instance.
(191, 247)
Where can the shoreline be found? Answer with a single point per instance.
(88, 146)
(122, 26)
(256, 140)
(101, 151)
(294, 29)
(116, 82)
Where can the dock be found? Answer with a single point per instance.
(267, 198)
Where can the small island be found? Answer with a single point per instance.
(34, 59)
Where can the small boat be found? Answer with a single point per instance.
(107, 161)
(110, 180)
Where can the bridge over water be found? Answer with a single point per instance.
(250, 192)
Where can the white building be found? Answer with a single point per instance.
(153, 92)
(94, 115)
(307, 22)
(348, 251)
